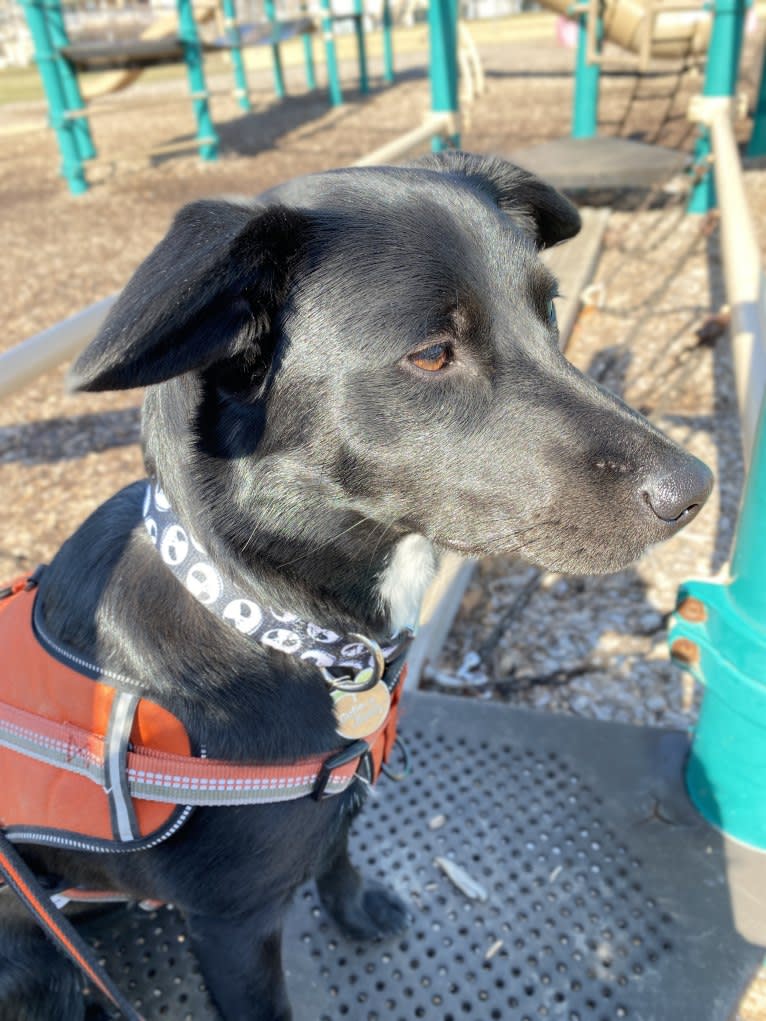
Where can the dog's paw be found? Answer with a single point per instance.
(372, 913)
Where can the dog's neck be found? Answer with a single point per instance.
(408, 567)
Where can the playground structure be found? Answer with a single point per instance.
(175, 39)
(619, 773)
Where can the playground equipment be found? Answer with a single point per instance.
(654, 30)
(174, 39)
(602, 892)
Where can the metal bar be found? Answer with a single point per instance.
(187, 32)
(442, 24)
(721, 75)
(276, 53)
(47, 65)
(444, 124)
(719, 629)
(331, 57)
(361, 49)
(388, 43)
(742, 273)
(235, 42)
(590, 35)
(68, 77)
(25, 362)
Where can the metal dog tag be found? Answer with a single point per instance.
(361, 713)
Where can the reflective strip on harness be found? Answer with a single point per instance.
(155, 776)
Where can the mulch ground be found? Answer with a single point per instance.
(593, 646)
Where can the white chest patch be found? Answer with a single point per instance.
(404, 582)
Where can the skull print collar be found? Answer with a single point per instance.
(338, 656)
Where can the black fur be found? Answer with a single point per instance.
(295, 436)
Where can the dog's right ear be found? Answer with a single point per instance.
(207, 292)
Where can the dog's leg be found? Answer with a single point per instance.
(37, 983)
(241, 961)
(362, 909)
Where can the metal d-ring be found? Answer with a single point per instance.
(404, 754)
(365, 678)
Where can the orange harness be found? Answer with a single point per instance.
(88, 765)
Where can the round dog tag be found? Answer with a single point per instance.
(360, 713)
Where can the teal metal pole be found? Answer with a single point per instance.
(719, 632)
(587, 82)
(276, 53)
(308, 60)
(720, 80)
(47, 65)
(54, 16)
(207, 138)
(388, 43)
(361, 49)
(333, 75)
(442, 25)
(757, 144)
(234, 39)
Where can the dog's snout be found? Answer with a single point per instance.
(676, 497)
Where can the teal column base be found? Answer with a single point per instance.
(725, 649)
(331, 57)
(388, 44)
(47, 65)
(361, 48)
(308, 60)
(207, 137)
(69, 81)
(587, 83)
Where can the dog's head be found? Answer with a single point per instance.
(380, 345)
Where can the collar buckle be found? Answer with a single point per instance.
(357, 750)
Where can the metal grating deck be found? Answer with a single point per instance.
(607, 896)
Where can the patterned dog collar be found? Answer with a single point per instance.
(272, 627)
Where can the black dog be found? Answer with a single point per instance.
(344, 377)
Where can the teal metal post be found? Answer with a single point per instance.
(719, 633)
(276, 53)
(442, 25)
(361, 48)
(47, 65)
(587, 82)
(331, 57)
(68, 77)
(207, 137)
(388, 43)
(757, 144)
(234, 39)
(720, 80)
(308, 60)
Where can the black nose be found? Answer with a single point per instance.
(675, 497)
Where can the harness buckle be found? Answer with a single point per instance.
(357, 750)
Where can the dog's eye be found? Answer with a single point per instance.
(433, 357)
(551, 312)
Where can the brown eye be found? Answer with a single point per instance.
(433, 358)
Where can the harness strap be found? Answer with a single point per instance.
(58, 927)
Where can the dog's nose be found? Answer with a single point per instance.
(676, 497)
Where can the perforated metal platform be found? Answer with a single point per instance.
(607, 896)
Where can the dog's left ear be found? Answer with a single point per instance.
(532, 204)
(207, 293)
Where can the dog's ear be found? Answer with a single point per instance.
(206, 293)
(535, 206)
